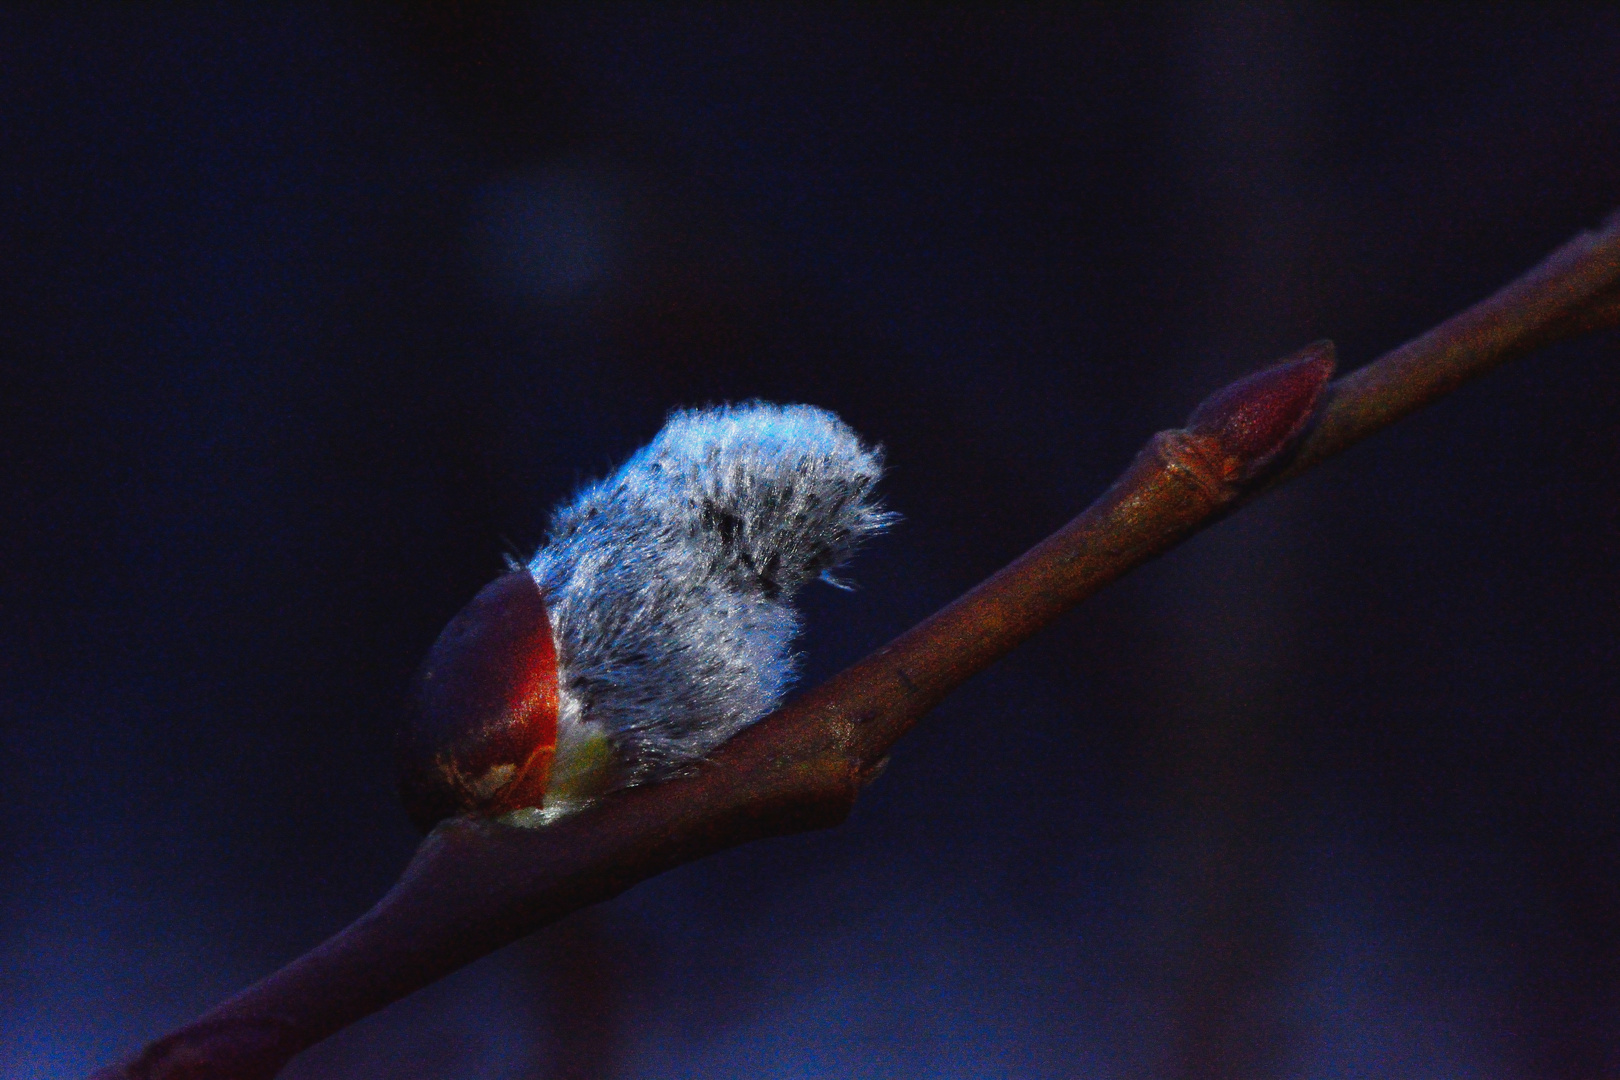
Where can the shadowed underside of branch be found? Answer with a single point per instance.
(474, 886)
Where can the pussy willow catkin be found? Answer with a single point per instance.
(655, 623)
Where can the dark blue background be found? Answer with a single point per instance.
(310, 314)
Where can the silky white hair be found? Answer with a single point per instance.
(669, 583)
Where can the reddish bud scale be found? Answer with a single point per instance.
(1255, 419)
(481, 724)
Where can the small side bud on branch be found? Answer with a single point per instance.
(1254, 420)
(1246, 427)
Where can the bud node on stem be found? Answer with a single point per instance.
(1251, 422)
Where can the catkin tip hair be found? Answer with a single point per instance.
(670, 582)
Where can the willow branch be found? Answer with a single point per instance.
(474, 886)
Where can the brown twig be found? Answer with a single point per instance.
(474, 886)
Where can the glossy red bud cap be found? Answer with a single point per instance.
(481, 724)
(1256, 418)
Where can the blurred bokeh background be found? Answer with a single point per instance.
(312, 312)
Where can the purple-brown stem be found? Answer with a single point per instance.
(474, 886)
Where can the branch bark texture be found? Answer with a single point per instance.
(474, 886)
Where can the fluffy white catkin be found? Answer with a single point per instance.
(670, 582)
